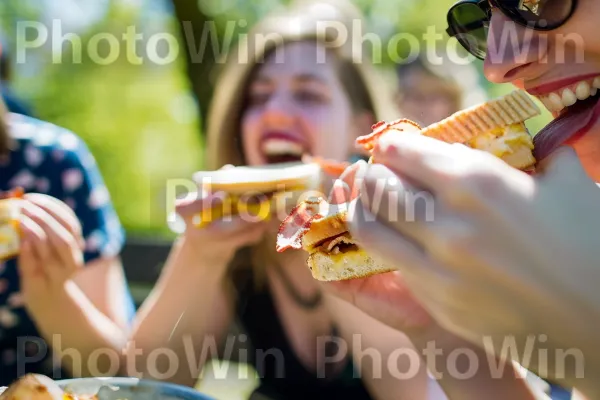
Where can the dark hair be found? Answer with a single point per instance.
(4, 134)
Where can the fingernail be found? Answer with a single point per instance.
(361, 169)
(385, 145)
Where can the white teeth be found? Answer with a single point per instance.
(556, 102)
(582, 91)
(568, 97)
(279, 146)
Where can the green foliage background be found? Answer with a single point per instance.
(140, 121)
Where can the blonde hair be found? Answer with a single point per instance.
(295, 24)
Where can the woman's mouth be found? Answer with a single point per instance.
(280, 148)
(576, 109)
(559, 100)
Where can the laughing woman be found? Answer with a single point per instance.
(505, 246)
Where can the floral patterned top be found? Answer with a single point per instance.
(51, 160)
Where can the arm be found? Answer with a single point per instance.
(472, 375)
(85, 310)
(64, 314)
(388, 362)
(103, 283)
(70, 320)
(187, 312)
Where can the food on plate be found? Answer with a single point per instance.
(34, 387)
(256, 191)
(10, 234)
(320, 229)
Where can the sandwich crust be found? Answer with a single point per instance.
(349, 265)
(244, 180)
(515, 107)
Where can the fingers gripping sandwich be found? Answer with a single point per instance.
(10, 233)
(320, 229)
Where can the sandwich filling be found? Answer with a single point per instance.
(9, 239)
(503, 140)
(338, 244)
(9, 228)
(256, 206)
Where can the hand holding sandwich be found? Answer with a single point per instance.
(51, 250)
(215, 244)
(500, 249)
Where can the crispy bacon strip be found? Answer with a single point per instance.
(369, 141)
(11, 194)
(298, 222)
(330, 167)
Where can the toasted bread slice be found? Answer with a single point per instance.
(33, 387)
(465, 125)
(349, 265)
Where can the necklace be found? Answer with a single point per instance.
(307, 303)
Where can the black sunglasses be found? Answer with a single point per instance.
(468, 20)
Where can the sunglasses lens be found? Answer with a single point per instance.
(544, 14)
(470, 24)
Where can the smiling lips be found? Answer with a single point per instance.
(576, 108)
(281, 147)
(558, 100)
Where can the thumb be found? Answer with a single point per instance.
(564, 165)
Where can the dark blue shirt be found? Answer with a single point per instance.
(51, 160)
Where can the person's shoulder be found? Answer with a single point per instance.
(43, 135)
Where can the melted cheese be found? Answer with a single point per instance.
(340, 256)
(502, 141)
(234, 204)
(9, 240)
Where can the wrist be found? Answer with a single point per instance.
(46, 304)
(195, 257)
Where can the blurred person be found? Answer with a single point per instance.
(230, 271)
(66, 289)
(429, 92)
